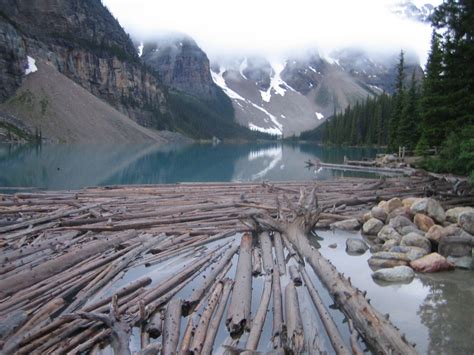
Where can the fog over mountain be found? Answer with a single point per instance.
(274, 29)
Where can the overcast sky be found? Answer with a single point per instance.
(275, 27)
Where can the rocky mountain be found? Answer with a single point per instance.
(288, 96)
(408, 9)
(181, 64)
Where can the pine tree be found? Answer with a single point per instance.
(399, 98)
(409, 121)
(433, 110)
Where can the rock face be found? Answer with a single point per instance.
(395, 274)
(431, 263)
(356, 246)
(181, 65)
(85, 42)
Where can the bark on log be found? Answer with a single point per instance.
(238, 315)
(295, 275)
(278, 329)
(256, 261)
(171, 327)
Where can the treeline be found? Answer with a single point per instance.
(439, 112)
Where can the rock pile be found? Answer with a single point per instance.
(418, 233)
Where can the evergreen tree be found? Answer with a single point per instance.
(409, 121)
(399, 99)
(433, 111)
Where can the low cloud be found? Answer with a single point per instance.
(275, 28)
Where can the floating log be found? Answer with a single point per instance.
(294, 324)
(238, 316)
(267, 255)
(280, 256)
(295, 275)
(256, 261)
(259, 319)
(171, 326)
(278, 327)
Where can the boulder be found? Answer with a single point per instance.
(376, 263)
(392, 204)
(423, 222)
(348, 224)
(466, 221)
(412, 253)
(387, 233)
(431, 263)
(389, 244)
(399, 222)
(395, 274)
(411, 229)
(372, 226)
(376, 248)
(452, 214)
(416, 240)
(356, 246)
(430, 207)
(409, 201)
(379, 213)
(463, 262)
(390, 256)
(455, 246)
(401, 211)
(437, 232)
(366, 217)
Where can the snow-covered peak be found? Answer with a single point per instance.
(31, 68)
(140, 49)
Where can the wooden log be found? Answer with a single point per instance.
(201, 330)
(295, 275)
(333, 333)
(24, 279)
(197, 294)
(154, 326)
(267, 255)
(259, 318)
(238, 316)
(171, 327)
(256, 261)
(294, 324)
(216, 320)
(278, 328)
(356, 350)
(280, 256)
(377, 331)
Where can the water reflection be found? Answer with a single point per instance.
(447, 312)
(75, 166)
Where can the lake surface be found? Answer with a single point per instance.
(75, 166)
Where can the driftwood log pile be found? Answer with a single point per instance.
(171, 268)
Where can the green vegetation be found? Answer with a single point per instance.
(202, 119)
(439, 113)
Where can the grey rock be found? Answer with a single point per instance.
(430, 207)
(416, 240)
(372, 226)
(379, 213)
(395, 274)
(414, 253)
(411, 229)
(399, 222)
(463, 262)
(389, 244)
(466, 221)
(387, 233)
(457, 246)
(390, 255)
(348, 224)
(452, 214)
(356, 246)
(392, 205)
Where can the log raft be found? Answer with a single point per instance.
(80, 269)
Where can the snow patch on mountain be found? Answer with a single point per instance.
(319, 115)
(273, 131)
(242, 67)
(140, 49)
(220, 81)
(276, 84)
(31, 68)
